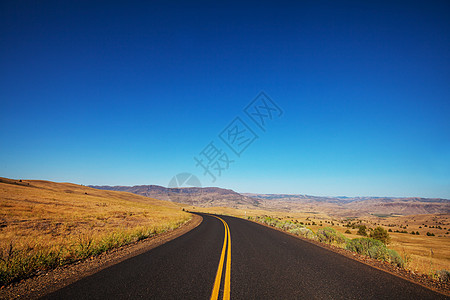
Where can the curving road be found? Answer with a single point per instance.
(261, 264)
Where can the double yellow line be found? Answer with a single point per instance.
(225, 249)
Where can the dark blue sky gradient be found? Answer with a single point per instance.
(128, 93)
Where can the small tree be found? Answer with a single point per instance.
(362, 230)
(381, 234)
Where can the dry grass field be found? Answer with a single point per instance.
(422, 253)
(45, 224)
(425, 253)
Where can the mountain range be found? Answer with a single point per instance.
(196, 196)
(344, 206)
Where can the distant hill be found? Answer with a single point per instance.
(344, 206)
(196, 196)
(354, 205)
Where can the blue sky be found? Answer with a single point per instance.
(129, 93)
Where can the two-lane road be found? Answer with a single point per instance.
(261, 264)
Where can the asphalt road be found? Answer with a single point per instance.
(265, 264)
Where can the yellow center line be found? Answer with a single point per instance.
(225, 249)
(227, 288)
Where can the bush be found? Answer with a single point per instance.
(362, 245)
(329, 235)
(362, 230)
(374, 249)
(381, 234)
(379, 252)
(287, 226)
(348, 231)
(443, 275)
(395, 258)
(304, 232)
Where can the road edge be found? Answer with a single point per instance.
(53, 280)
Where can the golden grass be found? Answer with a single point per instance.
(415, 249)
(44, 224)
(425, 254)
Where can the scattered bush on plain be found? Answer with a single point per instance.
(374, 246)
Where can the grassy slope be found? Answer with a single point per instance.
(44, 224)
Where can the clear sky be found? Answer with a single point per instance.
(129, 93)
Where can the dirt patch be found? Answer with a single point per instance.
(47, 282)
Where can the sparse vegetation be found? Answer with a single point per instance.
(294, 228)
(372, 247)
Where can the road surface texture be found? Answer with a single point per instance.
(264, 264)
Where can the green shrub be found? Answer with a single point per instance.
(287, 226)
(379, 252)
(279, 225)
(443, 275)
(395, 258)
(375, 249)
(362, 245)
(304, 232)
(362, 230)
(381, 234)
(329, 235)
